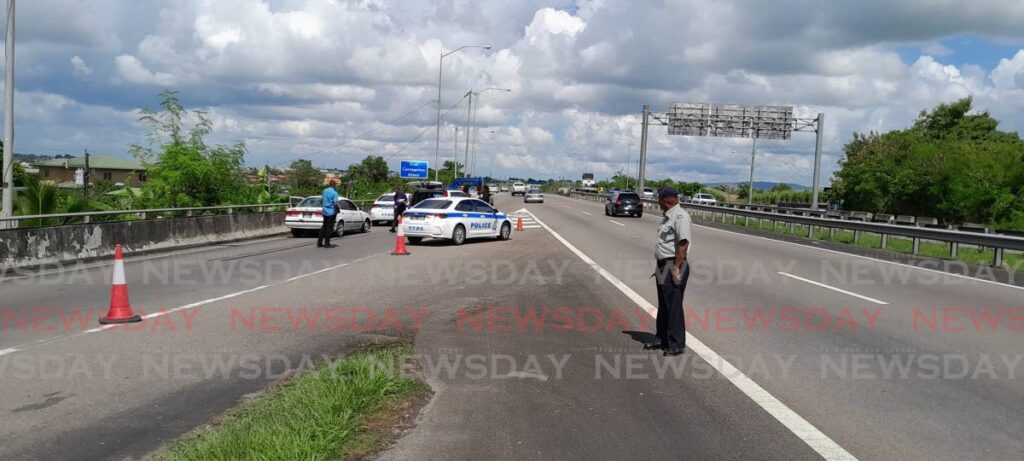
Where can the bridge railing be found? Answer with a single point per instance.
(916, 233)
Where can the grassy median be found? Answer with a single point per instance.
(324, 414)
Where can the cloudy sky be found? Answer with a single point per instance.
(322, 79)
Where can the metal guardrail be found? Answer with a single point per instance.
(999, 243)
(144, 214)
(87, 216)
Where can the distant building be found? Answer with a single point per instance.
(118, 170)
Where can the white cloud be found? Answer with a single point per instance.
(296, 76)
(79, 67)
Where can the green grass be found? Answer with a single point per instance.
(320, 415)
(938, 250)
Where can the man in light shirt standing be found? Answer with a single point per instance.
(672, 273)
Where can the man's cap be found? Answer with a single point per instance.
(667, 191)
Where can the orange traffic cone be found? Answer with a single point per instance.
(120, 309)
(519, 222)
(400, 243)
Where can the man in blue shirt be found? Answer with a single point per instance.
(330, 204)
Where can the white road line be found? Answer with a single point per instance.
(616, 222)
(204, 302)
(840, 253)
(812, 282)
(813, 437)
(586, 213)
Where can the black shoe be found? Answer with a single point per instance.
(319, 245)
(391, 230)
(329, 245)
(653, 346)
(672, 351)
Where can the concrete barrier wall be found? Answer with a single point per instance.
(33, 247)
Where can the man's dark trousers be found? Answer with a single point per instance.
(327, 230)
(671, 321)
(398, 212)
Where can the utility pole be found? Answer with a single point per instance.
(469, 128)
(817, 163)
(85, 176)
(7, 208)
(437, 139)
(643, 147)
(750, 187)
(455, 153)
(627, 164)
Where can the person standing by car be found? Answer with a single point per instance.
(329, 201)
(401, 200)
(485, 195)
(672, 273)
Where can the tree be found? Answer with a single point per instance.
(950, 164)
(183, 171)
(372, 169)
(304, 179)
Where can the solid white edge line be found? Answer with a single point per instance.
(584, 212)
(812, 282)
(616, 222)
(799, 426)
(54, 339)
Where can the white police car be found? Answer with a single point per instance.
(456, 219)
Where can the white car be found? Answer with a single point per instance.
(383, 209)
(533, 195)
(706, 199)
(308, 217)
(518, 188)
(504, 189)
(648, 193)
(455, 219)
(456, 193)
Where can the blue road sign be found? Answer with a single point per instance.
(414, 170)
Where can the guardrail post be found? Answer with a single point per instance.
(997, 259)
(856, 237)
(810, 232)
(142, 215)
(831, 233)
(954, 249)
(792, 228)
(917, 246)
(885, 241)
(188, 213)
(87, 219)
(231, 211)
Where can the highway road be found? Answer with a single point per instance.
(853, 356)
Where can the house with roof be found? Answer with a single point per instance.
(68, 172)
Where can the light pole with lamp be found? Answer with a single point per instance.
(440, 73)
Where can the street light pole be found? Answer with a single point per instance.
(469, 128)
(7, 208)
(440, 74)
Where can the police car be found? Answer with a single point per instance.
(455, 219)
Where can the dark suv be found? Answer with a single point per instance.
(627, 203)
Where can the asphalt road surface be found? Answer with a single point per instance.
(532, 346)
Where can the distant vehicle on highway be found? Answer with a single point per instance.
(533, 195)
(307, 217)
(383, 209)
(456, 193)
(494, 188)
(648, 193)
(703, 198)
(504, 188)
(455, 219)
(518, 188)
(626, 203)
(588, 184)
(422, 190)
